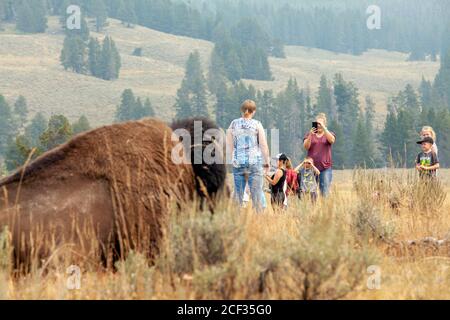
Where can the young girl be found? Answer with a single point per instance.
(308, 174)
(428, 131)
(277, 182)
(291, 179)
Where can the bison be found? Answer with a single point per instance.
(106, 191)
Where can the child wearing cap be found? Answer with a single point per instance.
(427, 161)
(428, 131)
(307, 174)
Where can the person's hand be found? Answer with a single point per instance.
(320, 123)
(312, 131)
(424, 167)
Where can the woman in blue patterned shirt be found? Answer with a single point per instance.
(248, 145)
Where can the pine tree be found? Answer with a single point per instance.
(21, 112)
(389, 139)
(347, 103)
(2, 11)
(426, 93)
(35, 129)
(191, 97)
(94, 57)
(110, 61)
(441, 123)
(217, 73)
(233, 66)
(73, 54)
(221, 105)
(309, 108)
(148, 109)
(31, 17)
(289, 120)
(117, 59)
(360, 156)
(227, 50)
(6, 124)
(125, 111)
(369, 119)
(266, 108)
(408, 133)
(303, 124)
(339, 150)
(411, 102)
(399, 138)
(442, 81)
(58, 132)
(324, 97)
(97, 8)
(83, 33)
(132, 108)
(364, 149)
(17, 153)
(114, 6)
(25, 18)
(183, 103)
(127, 13)
(6, 10)
(81, 125)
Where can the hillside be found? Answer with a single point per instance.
(29, 65)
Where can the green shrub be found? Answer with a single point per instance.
(309, 257)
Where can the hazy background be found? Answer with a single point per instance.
(173, 59)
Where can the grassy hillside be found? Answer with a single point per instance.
(29, 65)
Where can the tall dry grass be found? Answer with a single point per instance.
(310, 251)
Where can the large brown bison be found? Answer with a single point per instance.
(105, 191)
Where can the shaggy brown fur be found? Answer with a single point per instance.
(109, 187)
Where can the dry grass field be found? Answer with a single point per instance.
(322, 251)
(29, 65)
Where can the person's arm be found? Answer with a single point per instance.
(297, 169)
(418, 166)
(316, 171)
(433, 167)
(263, 145)
(330, 136)
(276, 178)
(230, 143)
(307, 139)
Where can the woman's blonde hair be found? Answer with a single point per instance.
(322, 116)
(248, 107)
(288, 164)
(429, 129)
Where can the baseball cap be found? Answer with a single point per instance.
(426, 139)
(281, 156)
